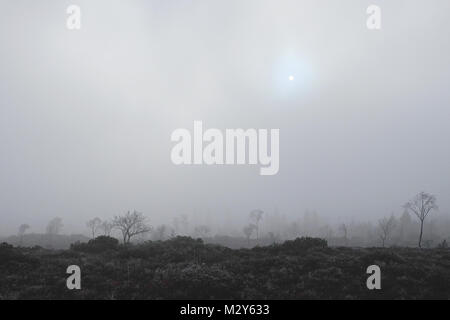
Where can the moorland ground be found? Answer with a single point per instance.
(186, 268)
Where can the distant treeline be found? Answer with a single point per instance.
(417, 226)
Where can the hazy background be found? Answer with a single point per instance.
(86, 116)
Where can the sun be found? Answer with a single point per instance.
(291, 78)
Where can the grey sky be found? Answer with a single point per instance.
(86, 116)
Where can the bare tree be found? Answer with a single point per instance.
(94, 225)
(404, 224)
(248, 230)
(256, 215)
(107, 227)
(22, 229)
(386, 226)
(54, 226)
(160, 232)
(131, 224)
(421, 205)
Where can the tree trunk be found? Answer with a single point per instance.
(421, 233)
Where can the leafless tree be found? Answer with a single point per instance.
(421, 205)
(386, 226)
(107, 227)
(256, 216)
(54, 226)
(160, 232)
(22, 229)
(248, 230)
(404, 224)
(94, 225)
(131, 224)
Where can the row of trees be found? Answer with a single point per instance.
(54, 227)
(420, 206)
(135, 223)
(253, 227)
(132, 224)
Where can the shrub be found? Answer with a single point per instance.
(301, 245)
(97, 245)
(10, 255)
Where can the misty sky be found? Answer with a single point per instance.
(86, 116)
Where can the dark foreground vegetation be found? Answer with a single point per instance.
(185, 268)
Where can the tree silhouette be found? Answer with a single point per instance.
(94, 225)
(22, 229)
(256, 215)
(54, 226)
(131, 224)
(386, 226)
(160, 232)
(248, 230)
(107, 227)
(421, 205)
(405, 223)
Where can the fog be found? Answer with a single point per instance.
(86, 115)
